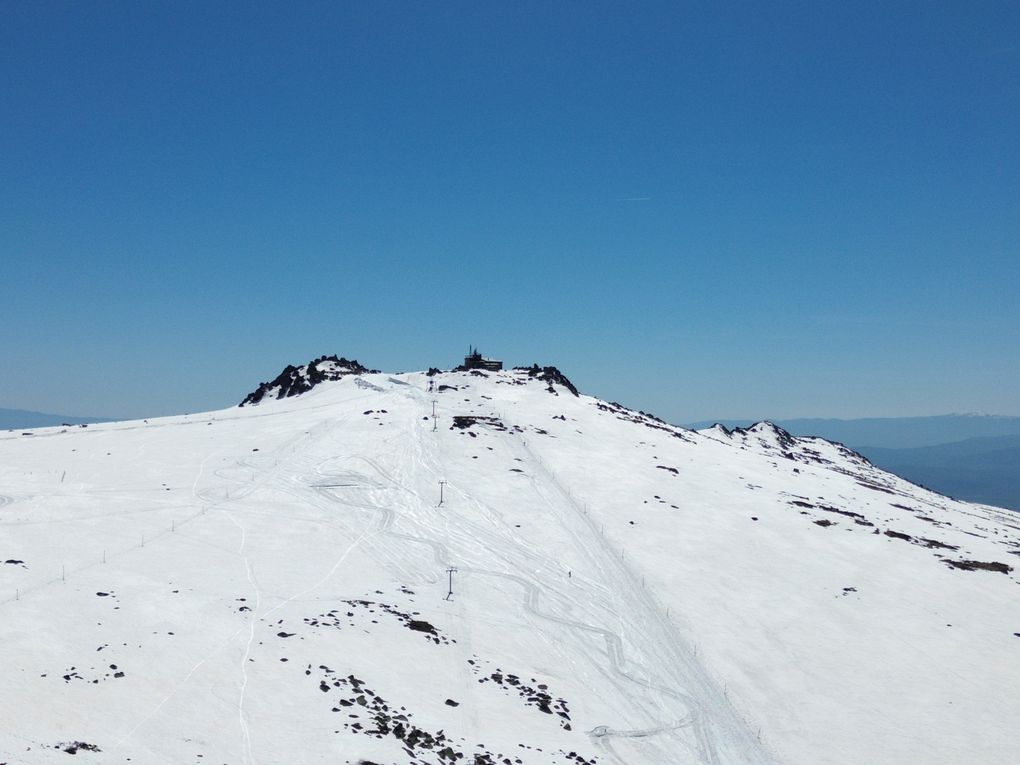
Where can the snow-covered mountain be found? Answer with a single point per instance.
(280, 583)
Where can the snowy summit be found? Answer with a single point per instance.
(489, 567)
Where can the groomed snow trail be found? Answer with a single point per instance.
(719, 735)
(690, 714)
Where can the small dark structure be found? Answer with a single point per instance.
(474, 360)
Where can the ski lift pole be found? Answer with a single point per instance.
(450, 572)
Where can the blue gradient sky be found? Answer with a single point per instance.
(698, 209)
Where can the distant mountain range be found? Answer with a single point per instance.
(13, 419)
(892, 432)
(985, 470)
(968, 456)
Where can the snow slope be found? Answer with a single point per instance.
(269, 584)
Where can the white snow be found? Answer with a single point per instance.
(250, 571)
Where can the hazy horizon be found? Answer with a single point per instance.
(689, 422)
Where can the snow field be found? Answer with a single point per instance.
(661, 589)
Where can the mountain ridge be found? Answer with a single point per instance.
(891, 432)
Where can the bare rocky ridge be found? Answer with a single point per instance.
(293, 381)
(550, 375)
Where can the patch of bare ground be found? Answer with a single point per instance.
(974, 565)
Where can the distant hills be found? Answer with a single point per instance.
(13, 419)
(967, 456)
(892, 432)
(983, 470)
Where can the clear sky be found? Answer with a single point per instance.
(700, 209)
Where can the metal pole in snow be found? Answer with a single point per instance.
(450, 572)
(441, 485)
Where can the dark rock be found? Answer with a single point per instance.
(75, 746)
(293, 381)
(549, 375)
(974, 565)
(421, 626)
(899, 535)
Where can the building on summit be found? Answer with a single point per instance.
(475, 360)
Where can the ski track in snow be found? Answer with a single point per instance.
(693, 713)
(211, 502)
(246, 490)
(155, 711)
(708, 707)
(613, 569)
(245, 732)
(152, 713)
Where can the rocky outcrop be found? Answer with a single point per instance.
(550, 375)
(293, 381)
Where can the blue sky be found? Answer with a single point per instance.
(697, 209)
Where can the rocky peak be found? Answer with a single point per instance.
(550, 375)
(293, 381)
